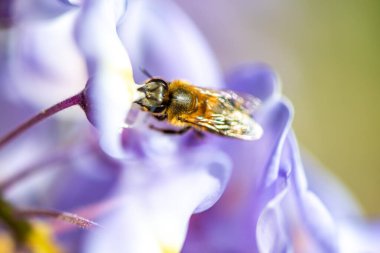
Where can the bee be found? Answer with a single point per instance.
(186, 106)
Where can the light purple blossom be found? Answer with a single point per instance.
(111, 89)
(152, 192)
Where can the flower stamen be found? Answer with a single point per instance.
(71, 218)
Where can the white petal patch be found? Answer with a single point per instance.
(113, 88)
(159, 202)
(111, 102)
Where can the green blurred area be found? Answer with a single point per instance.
(338, 105)
(327, 54)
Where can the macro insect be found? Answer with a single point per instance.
(186, 106)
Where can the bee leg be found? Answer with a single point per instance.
(160, 117)
(199, 134)
(170, 131)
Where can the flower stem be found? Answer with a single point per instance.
(18, 227)
(71, 101)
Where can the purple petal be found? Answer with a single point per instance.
(237, 210)
(359, 236)
(72, 2)
(91, 178)
(163, 40)
(314, 214)
(271, 235)
(256, 78)
(157, 203)
(257, 164)
(35, 63)
(330, 190)
(6, 14)
(39, 10)
(111, 90)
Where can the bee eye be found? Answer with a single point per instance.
(155, 83)
(152, 87)
(155, 91)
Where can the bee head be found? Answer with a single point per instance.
(155, 96)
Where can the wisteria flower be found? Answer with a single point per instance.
(148, 191)
(100, 103)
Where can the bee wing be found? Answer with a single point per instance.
(245, 101)
(228, 114)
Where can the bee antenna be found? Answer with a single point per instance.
(145, 72)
